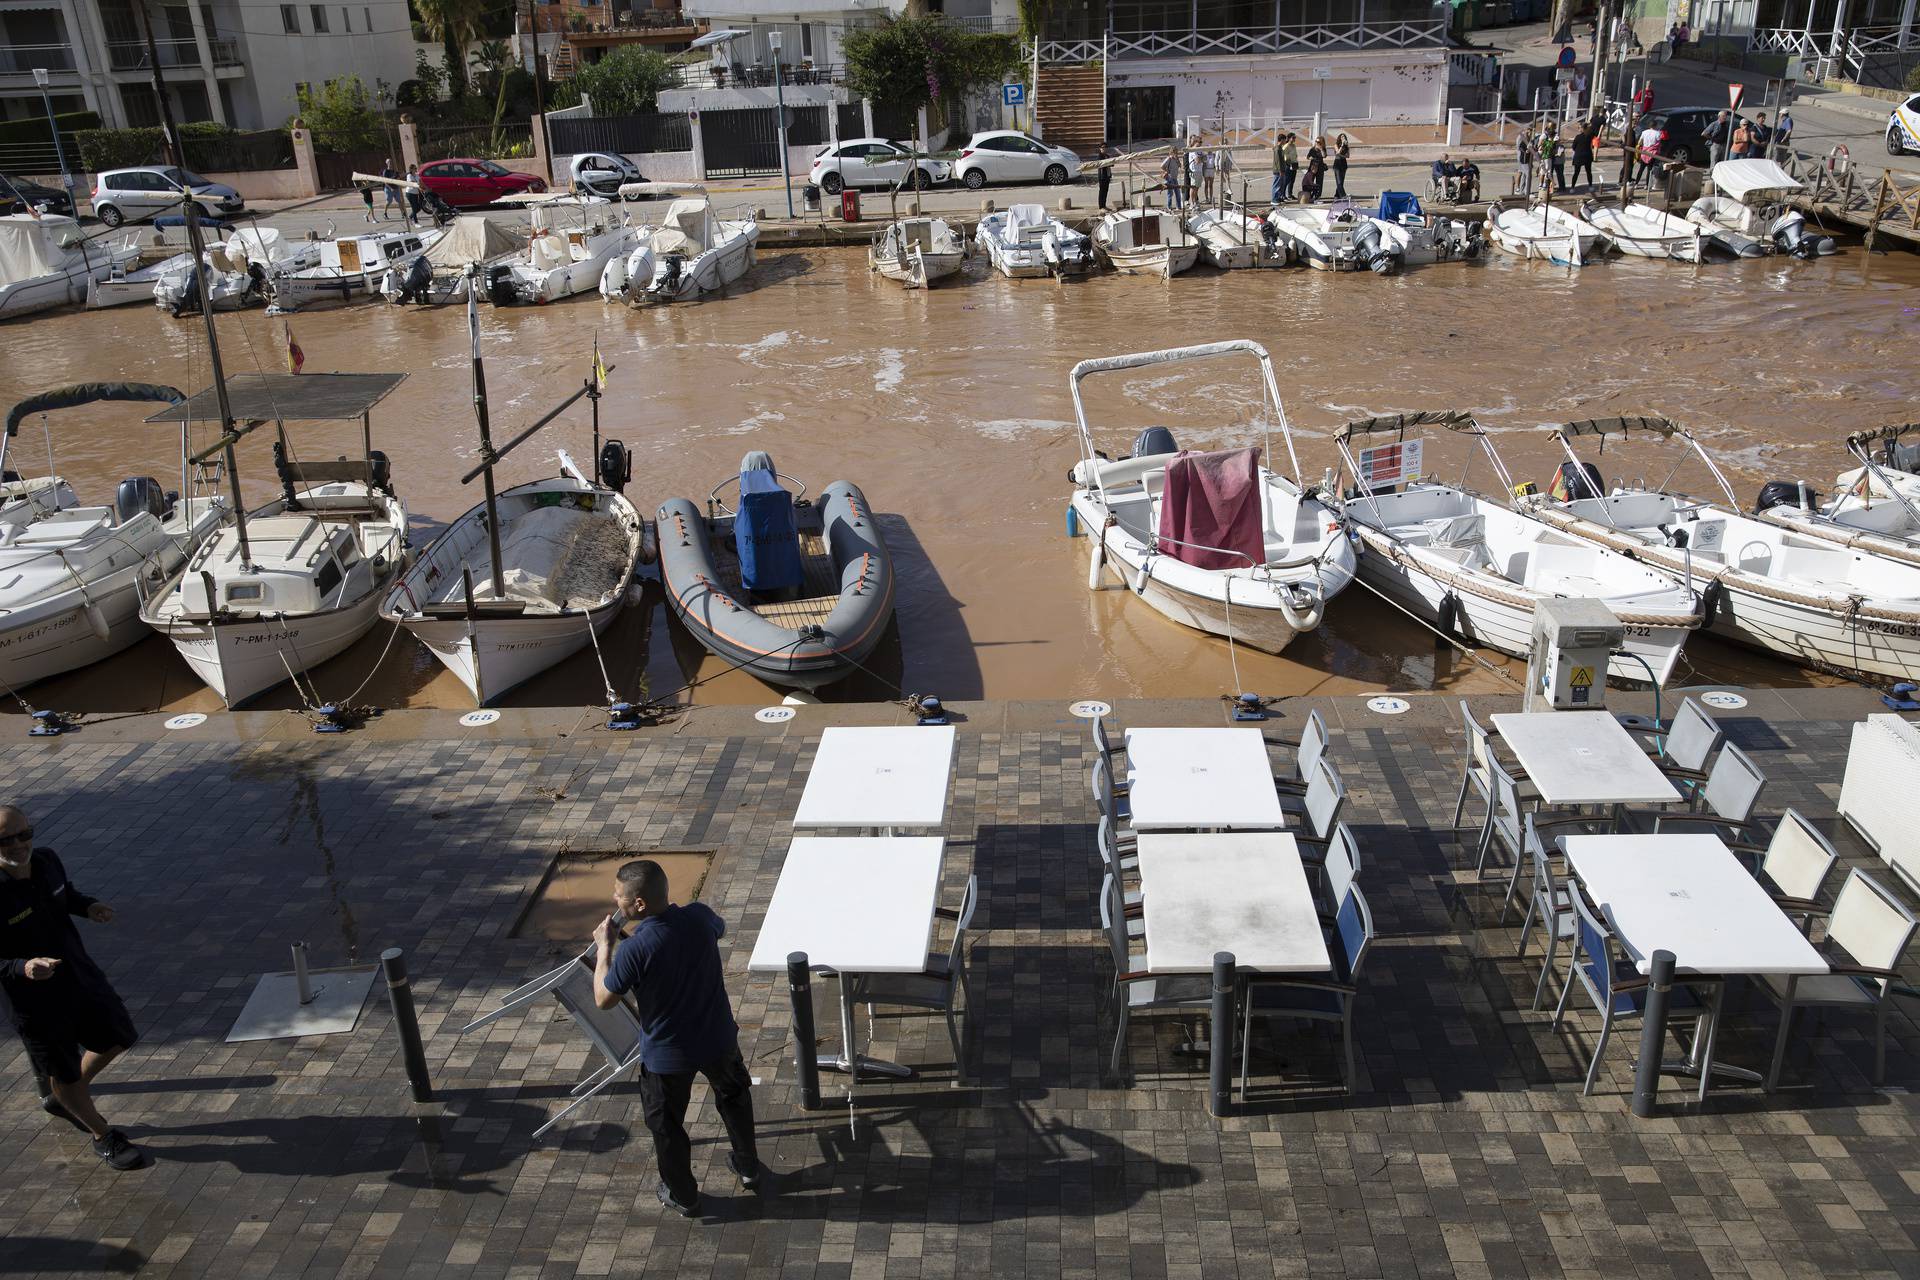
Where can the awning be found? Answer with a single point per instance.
(288, 397)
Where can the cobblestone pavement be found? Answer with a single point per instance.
(1465, 1150)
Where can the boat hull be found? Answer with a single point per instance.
(69, 631)
(1165, 261)
(713, 270)
(922, 271)
(244, 658)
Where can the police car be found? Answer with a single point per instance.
(1903, 128)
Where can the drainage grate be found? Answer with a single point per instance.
(577, 891)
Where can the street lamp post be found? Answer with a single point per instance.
(66, 177)
(780, 101)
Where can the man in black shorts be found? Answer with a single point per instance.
(67, 1013)
(670, 968)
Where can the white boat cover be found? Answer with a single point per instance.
(469, 239)
(1025, 218)
(1741, 179)
(31, 247)
(684, 229)
(258, 244)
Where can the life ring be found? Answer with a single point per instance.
(1839, 160)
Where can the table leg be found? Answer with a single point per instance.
(1700, 1052)
(847, 1059)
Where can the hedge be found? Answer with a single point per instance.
(34, 128)
(209, 146)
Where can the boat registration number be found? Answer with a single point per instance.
(266, 637)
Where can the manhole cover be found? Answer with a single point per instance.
(577, 893)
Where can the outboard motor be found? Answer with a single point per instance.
(1370, 247)
(1470, 249)
(615, 465)
(500, 285)
(256, 282)
(1154, 440)
(419, 278)
(380, 471)
(1270, 240)
(1789, 232)
(1573, 483)
(666, 277)
(137, 494)
(1784, 493)
(190, 296)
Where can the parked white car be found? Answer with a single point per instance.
(598, 173)
(872, 162)
(121, 195)
(1903, 127)
(1003, 155)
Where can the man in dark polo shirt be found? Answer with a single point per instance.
(670, 967)
(67, 1013)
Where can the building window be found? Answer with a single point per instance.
(290, 19)
(368, 15)
(346, 19)
(319, 19)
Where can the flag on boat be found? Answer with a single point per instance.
(599, 368)
(295, 356)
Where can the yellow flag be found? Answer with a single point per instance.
(599, 368)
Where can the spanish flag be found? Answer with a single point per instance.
(599, 368)
(295, 356)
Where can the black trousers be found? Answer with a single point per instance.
(1580, 166)
(1106, 180)
(663, 1100)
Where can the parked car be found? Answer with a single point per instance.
(1003, 155)
(1683, 130)
(122, 194)
(1903, 127)
(467, 183)
(873, 162)
(17, 194)
(601, 174)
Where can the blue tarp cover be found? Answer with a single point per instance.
(1395, 203)
(764, 534)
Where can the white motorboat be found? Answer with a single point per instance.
(239, 271)
(47, 261)
(690, 253)
(1878, 501)
(1749, 214)
(439, 276)
(1545, 232)
(530, 576)
(1336, 237)
(1231, 238)
(918, 252)
(1145, 241)
(277, 591)
(1420, 238)
(1642, 231)
(349, 267)
(1806, 593)
(1474, 566)
(72, 577)
(573, 239)
(135, 280)
(1220, 542)
(1023, 241)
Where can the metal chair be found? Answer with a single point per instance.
(1870, 929)
(1109, 796)
(1102, 744)
(937, 985)
(1793, 865)
(1688, 743)
(1319, 805)
(1727, 798)
(1551, 903)
(1614, 996)
(1136, 990)
(1315, 999)
(1306, 753)
(1117, 864)
(1339, 869)
(1476, 772)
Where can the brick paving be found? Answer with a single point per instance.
(1466, 1148)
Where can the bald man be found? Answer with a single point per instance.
(67, 1013)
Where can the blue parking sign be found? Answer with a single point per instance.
(1013, 95)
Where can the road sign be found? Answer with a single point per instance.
(1734, 93)
(1013, 95)
(1566, 55)
(1564, 75)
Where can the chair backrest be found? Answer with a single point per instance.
(1100, 742)
(1692, 737)
(1354, 927)
(1798, 858)
(1342, 864)
(1479, 751)
(1109, 843)
(1507, 814)
(1597, 941)
(1103, 783)
(1870, 925)
(1543, 881)
(614, 1032)
(1113, 919)
(1733, 785)
(968, 902)
(1313, 745)
(1325, 796)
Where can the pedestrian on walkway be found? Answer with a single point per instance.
(1643, 100)
(1629, 153)
(1762, 137)
(1171, 169)
(1649, 151)
(1524, 154)
(1316, 172)
(1196, 163)
(366, 194)
(670, 968)
(1742, 140)
(1583, 155)
(1104, 161)
(1342, 153)
(393, 201)
(1289, 166)
(1279, 167)
(1718, 135)
(1782, 140)
(413, 194)
(1209, 170)
(1553, 161)
(67, 1014)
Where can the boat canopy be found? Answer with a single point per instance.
(1901, 457)
(471, 239)
(1618, 427)
(87, 393)
(283, 397)
(35, 246)
(1451, 419)
(1745, 179)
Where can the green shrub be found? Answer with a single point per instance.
(625, 81)
(342, 116)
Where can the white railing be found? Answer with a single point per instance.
(1795, 42)
(1214, 43)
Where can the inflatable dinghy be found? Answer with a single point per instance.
(797, 593)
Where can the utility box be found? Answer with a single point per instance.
(1567, 666)
(849, 205)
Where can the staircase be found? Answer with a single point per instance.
(1071, 102)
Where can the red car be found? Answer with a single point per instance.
(468, 184)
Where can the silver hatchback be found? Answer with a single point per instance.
(120, 195)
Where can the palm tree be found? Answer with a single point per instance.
(453, 23)
(491, 59)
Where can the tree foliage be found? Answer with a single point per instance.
(342, 115)
(454, 23)
(908, 63)
(624, 82)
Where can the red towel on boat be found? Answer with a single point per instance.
(1213, 500)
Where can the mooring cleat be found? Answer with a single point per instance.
(51, 724)
(623, 715)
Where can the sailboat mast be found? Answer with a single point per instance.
(486, 438)
(197, 246)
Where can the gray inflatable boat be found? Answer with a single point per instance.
(797, 593)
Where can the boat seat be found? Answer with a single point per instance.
(1549, 566)
(64, 526)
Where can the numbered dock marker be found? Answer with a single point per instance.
(1387, 706)
(474, 719)
(1722, 700)
(774, 715)
(1089, 709)
(188, 720)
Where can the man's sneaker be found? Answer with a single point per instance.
(51, 1105)
(118, 1152)
(666, 1198)
(747, 1169)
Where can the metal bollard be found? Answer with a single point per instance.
(393, 962)
(1653, 1034)
(301, 983)
(806, 1061)
(1220, 1054)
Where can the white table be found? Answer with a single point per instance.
(1583, 757)
(854, 904)
(889, 777)
(1688, 894)
(1243, 891)
(1186, 779)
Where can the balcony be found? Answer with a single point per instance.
(24, 59)
(1329, 37)
(756, 75)
(132, 55)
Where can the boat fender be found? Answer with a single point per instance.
(649, 542)
(1449, 612)
(1710, 602)
(1302, 607)
(1073, 523)
(1141, 578)
(97, 620)
(1096, 561)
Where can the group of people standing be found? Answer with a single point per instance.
(407, 202)
(1322, 158)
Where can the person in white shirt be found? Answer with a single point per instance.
(1649, 152)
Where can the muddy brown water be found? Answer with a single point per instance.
(950, 409)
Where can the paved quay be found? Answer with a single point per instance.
(1466, 1148)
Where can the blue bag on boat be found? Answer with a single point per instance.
(763, 533)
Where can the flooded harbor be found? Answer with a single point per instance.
(950, 409)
